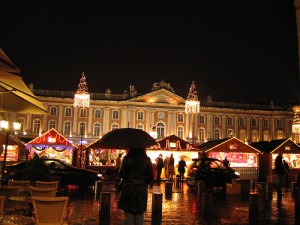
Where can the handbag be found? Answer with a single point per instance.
(119, 185)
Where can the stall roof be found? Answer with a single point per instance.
(12, 140)
(227, 144)
(274, 146)
(50, 138)
(180, 144)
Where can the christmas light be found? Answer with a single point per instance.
(82, 97)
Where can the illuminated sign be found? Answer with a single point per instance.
(51, 139)
(287, 148)
(234, 146)
(172, 145)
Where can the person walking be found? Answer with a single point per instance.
(171, 167)
(280, 171)
(181, 169)
(159, 166)
(136, 172)
(166, 166)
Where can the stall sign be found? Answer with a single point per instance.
(11, 154)
(51, 140)
(172, 144)
(287, 148)
(233, 146)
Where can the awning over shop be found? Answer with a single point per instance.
(50, 138)
(173, 143)
(286, 145)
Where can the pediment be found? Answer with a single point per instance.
(160, 96)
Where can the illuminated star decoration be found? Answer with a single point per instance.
(82, 97)
(296, 124)
(192, 104)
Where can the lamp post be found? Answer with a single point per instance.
(192, 106)
(5, 126)
(82, 100)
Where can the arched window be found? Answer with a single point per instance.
(22, 122)
(97, 128)
(266, 135)
(217, 134)
(115, 114)
(254, 136)
(67, 128)
(229, 121)
(180, 131)
(114, 126)
(201, 134)
(279, 134)
(160, 128)
(180, 117)
(81, 130)
(36, 126)
(53, 110)
(242, 135)
(140, 115)
(68, 111)
(52, 124)
(83, 113)
(229, 133)
(140, 126)
(98, 113)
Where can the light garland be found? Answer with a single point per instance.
(192, 104)
(82, 97)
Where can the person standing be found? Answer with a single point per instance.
(159, 166)
(181, 169)
(280, 171)
(136, 172)
(171, 167)
(166, 166)
(287, 169)
(226, 162)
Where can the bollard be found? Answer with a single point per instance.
(176, 182)
(98, 186)
(297, 205)
(168, 189)
(104, 215)
(245, 187)
(157, 207)
(253, 208)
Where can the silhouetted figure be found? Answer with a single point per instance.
(280, 171)
(226, 162)
(181, 169)
(159, 166)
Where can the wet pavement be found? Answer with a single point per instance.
(185, 207)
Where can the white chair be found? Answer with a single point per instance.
(50, 210)
(11, 206)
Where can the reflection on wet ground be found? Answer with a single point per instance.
(185, 207)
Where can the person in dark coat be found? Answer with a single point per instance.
(159, 166)
(136, 171)
(280, 171)
(181, 169)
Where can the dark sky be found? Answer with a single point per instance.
(235, 51)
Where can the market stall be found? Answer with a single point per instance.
(176, 146)
(15, 149)
(52, 145)
(291, 154)
(243, 158)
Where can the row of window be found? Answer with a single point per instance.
(180, 117)
(160, 128)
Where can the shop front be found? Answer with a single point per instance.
(176, 146)
(243, 158)
(15, 149)
(52, 145)
(271, 149)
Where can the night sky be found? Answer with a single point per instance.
(235, 51)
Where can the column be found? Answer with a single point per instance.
(60, 115)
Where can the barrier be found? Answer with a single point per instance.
(157, 207)
(253, 208)
(104, 215)
(168, 189)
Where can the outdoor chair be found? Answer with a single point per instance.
(2, 199)
(47, 184)
(50, 210)
(11, 206)
(42, 192)
(23, 183)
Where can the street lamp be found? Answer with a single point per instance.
(5, 126)
(192, 106)
(82, 100)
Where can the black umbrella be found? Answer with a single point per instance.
(124, 138)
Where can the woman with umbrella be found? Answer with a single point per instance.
(136, 172)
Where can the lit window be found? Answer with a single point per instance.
(68, 111)
(52, 124)
(97, 113)
(36, 126)
(96, 129)
(115, 114)
(180, 117)
(180, 132)
(201, 119)
(229, 121)
(53, 110)
(67, 128)
(140, 115)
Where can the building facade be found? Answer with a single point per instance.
(160, 110)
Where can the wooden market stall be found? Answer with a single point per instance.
(243, 158)
(16, 150)
(53, 145)
(176, 146)
(270, 149)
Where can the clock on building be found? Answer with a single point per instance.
(161, 115)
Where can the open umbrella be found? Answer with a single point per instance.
(15, 96)
(124, 138)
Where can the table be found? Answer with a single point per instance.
(23, 199)
(16, 220)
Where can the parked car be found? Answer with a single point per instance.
(212, 171)
(69, 174)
